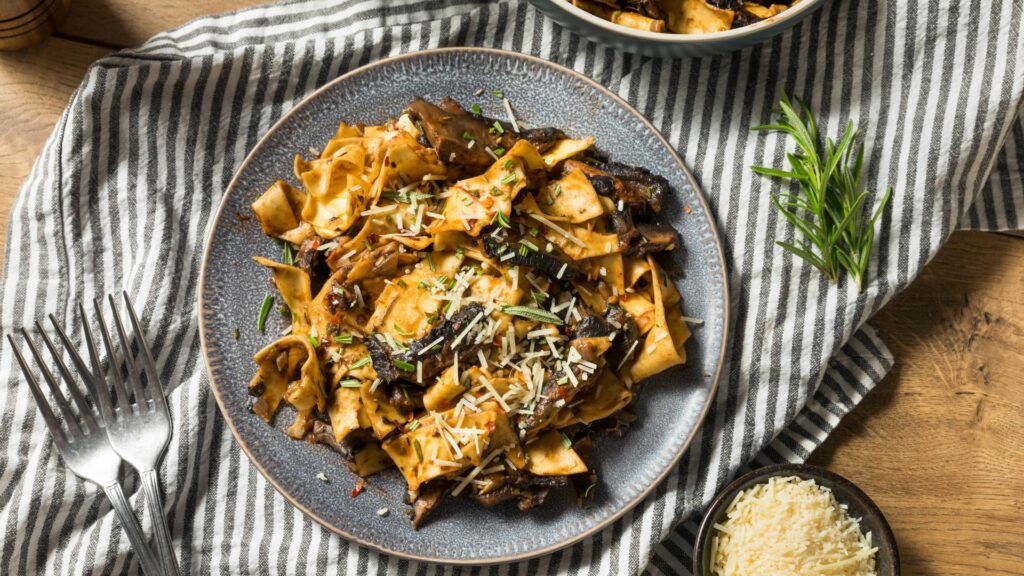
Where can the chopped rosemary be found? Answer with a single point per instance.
(401, 331)
(288, 259)
(497, 93)
(533, 247)
(268, 301)
(404, 366)
(350, 383)
(499, 151)
(538, 296)
(362, 362)
(468, 137)
(532, 313)
(343, 338)
(831, 213)
(418, 448)
(430, 262)
(565, 440)
(237, 334)
(314, 341)
(498, 128)
(501, 220)
(510, 178)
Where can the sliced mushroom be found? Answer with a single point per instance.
(554, 264)
(435, 351)
(640, 184)
(427, 500)
(654, 238)
(625, 344)
(459, 138)
(649, 8)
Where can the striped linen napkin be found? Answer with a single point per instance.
(126, 186)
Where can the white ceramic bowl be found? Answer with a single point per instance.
(673, 45)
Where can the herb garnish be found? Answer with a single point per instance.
(501, 220)
(268, 301)
(830, 212)
(532, 313)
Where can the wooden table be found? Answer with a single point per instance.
(939, 444)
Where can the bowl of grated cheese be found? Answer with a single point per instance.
(794, 520)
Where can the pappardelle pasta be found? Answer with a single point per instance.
(471, 302)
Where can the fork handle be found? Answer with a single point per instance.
(131, 526)
(164, 545)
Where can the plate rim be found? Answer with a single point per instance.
(508, 558)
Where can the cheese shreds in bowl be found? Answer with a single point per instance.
(790, 526)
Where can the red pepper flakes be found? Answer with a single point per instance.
(358, 489)
(687, 209)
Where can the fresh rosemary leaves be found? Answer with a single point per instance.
(830, 211)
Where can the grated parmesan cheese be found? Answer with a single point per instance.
(790, 527)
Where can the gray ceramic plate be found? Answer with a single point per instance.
(670, 407)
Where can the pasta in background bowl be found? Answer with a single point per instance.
(679, 28)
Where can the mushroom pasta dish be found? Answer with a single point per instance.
(471, 301)
(684, 16)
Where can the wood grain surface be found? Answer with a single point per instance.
(939, 445)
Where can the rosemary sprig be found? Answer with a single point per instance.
(532, 313)
(830, 213)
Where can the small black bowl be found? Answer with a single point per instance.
(887, 559)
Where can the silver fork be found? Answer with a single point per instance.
(84, 447)
(138, 431)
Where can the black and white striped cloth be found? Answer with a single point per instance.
(125, 188)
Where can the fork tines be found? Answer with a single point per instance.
(88, 423)
(146, 391)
